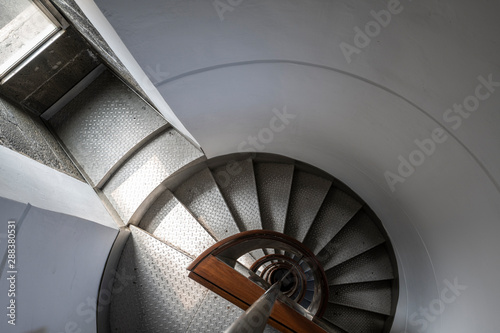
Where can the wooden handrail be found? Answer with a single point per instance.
(228, 283)
(214, 269)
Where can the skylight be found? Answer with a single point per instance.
(23, 28)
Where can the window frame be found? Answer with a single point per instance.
(61, 25)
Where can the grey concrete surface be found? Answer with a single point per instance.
(27, 135)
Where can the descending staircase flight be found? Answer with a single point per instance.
(177, 204)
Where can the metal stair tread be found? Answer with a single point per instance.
(240, 192)
(306, 197)
(169, 220)
(201, 195)
(146, 169)
(160, 293)
(102, 123)
(274, 182)
(373, 265)
(338, 208)
(369, 296)
(354, 320)
(359, 235)
(329, 327)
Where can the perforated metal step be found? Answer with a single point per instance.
(238, 188)
(104, 122)
(202, 197)
(358, 235)
(274, 182)
(306, 197)
(373, 265)
(369, 296)
(153, 292)
(169, 220)
(145, 170)
(337, 209)
(354, 320)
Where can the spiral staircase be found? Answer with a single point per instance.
(359, 116)
(176, 204)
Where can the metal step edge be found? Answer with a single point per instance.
(330, 205)
(172, 222)
(234, 208)
(329, 326)
(291, 226)
(367, 309)
(129, 154)
(224, 199)
(200, 222)
(381, 247)
(94, 124)
(389, 287)
(131, 227)
(360, 217)
(360, 312)
(207, 229)
(288, 190)
(327, 267)
(157, 192)
(343, 284)
(203, 223)
(134, 181)
(162, 191)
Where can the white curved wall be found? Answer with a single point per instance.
(353, 119)
(63, 238)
